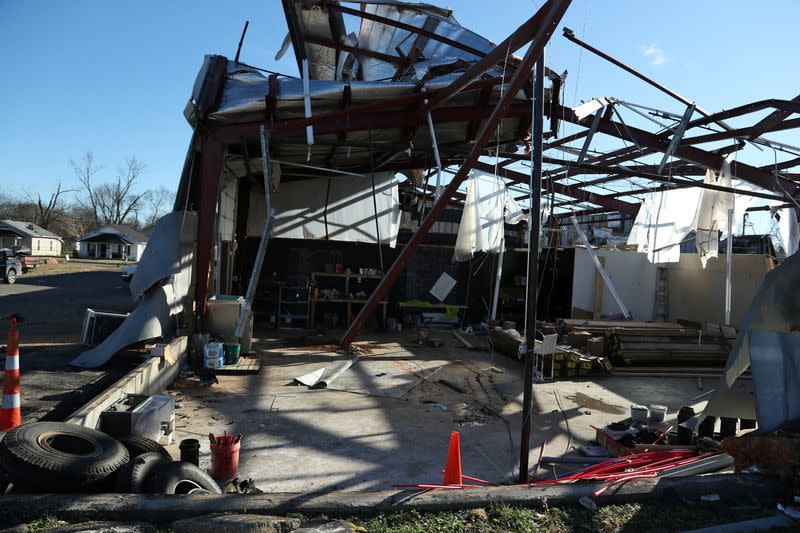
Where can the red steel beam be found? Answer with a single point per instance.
(549, 14)
(573, 191)
(211, 159)
(570, 35)
(353, 120)
(651, 141)
(521, 36)
(211, 156)
(770, 121)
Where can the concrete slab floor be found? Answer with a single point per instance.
(297, 439)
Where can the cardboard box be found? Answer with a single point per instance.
(577, 339)
(596, 346)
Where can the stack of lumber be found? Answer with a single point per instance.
(565, 363)
(655, 343)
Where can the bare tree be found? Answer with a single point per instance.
(7, 206)
(116, 202)
(84, 170)
(158, 203)
(47, 213)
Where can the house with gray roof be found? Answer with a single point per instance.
(16, 234)
(113, 241)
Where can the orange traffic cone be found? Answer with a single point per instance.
(10, 415)
(452, 471)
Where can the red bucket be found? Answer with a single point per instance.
(225, 461)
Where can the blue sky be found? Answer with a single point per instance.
(113, 77)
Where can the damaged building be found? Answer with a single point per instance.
(405, 240)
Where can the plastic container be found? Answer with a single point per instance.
(639, 413)
(658, 412)
(232, 351)
(225, 461)
(190, 451)
(213, 355)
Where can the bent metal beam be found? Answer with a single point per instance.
(553, 11)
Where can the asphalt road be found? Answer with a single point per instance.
(54, 307)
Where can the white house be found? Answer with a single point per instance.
(14, 233)
(113, 242)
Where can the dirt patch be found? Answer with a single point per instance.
(594, 404)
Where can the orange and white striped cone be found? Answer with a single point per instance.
(10, 414)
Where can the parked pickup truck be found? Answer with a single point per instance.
(10, 265)
(28, 261)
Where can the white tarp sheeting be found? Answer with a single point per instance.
(712, 213)
(663, 221)
(339, 208)
(666, 218)
(487, 207)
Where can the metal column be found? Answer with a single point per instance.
(255, 274)
(532, 283)
(729, 269)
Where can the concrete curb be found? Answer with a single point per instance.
(150, 377)
(21, 508)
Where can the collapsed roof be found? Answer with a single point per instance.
(403, 87)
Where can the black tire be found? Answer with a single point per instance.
(11, 276)
(132, 477)
(59, 457)
(181, 478)
(137, 445)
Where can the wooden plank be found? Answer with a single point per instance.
(468, 345)
(575, 322)
(672, 347)
(246, 365)
(598, 291)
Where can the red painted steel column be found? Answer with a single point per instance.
(554, 10)
(211, 155)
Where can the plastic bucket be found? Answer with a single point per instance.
(190, 451)
(232, 351)
(225, 461)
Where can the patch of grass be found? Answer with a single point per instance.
(43, 523)
(664, 517)
(66, 268)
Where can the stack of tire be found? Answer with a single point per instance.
(59, 457)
